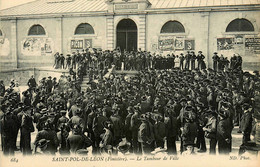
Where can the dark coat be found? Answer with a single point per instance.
(107, 139)
(224, 129)
(211, 126)
(117, 125)
(145, 133)
(171, 126)
(76, 120)
(159, 130)
(98, 125)
(246, 122)
(190, 132)
(77, 141)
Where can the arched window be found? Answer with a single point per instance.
(238, 25)
(36, 30)
(172, 27)
(84, 28)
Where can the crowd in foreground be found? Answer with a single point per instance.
(143, 114)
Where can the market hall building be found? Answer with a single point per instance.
(30, 34)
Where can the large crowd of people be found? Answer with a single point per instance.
(142, 114)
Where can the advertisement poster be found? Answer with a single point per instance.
(37, 46)
(253, 44)
(76, 44)
(225, 43)
(166, 43)
(179, 43)
(189, 44)
(88, 43)
(4, 47)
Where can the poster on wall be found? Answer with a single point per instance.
(76, 44)
(179, 43)
(253, 44)
(4, 47)
(189, 44)
(37, 46)
(166, 43)
(225, 43)
(239, 39)
(88, 43)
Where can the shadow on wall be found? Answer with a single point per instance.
(22, 75)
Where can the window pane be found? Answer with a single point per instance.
(172, 27)
(238, 25)
(84, 28)
(37, 30)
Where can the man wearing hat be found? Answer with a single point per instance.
(75, 107)
(189, 130)
(107, 138)
(48, 134)
(193, 58)
(181, 57)
(26, 129)
(189, 148)
(31, 82)
(135, 124)
(77, 120)
(200, 58)
(63, 118)
(98, 127)
(172, 128)
(42, 145)
(159, 131)
(211, 130)
(117, 126)
(68, 61)
(49, 85)
(215, 61)
(62, 59)
(223, 132)
(8, 131)
(187, 60)
(128, 130)
(63, 133)
(124, 146)
(77, 140)
(145, 135)
(246, 123)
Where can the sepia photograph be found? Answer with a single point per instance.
(106, 83)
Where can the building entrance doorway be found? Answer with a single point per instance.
(126, 35)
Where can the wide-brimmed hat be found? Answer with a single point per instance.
(159, 150)
(107, 124)
(124, 146)
(82, 152)
(42, 143)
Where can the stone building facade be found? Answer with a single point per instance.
(32, 33)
